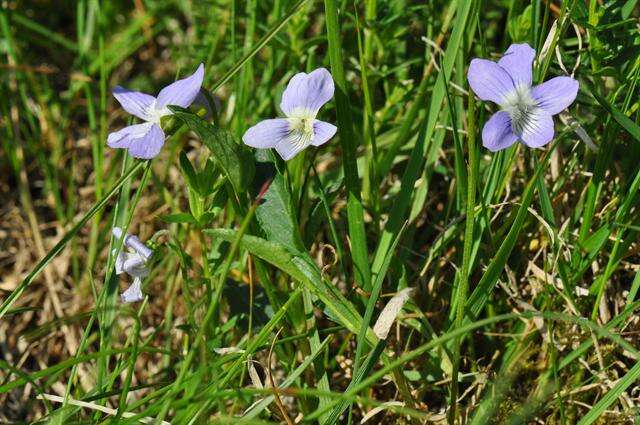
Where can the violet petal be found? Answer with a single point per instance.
(182, 92)
(538, 131)
(489, 81)
(288, 147)
(497, 133)
(149, 145)
(134, 102)
(518, 62)
(556, 94)
(133, 293)
(307, 91)
(124, 137)
(323, 132)
(266, 134)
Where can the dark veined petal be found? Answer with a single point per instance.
(497, 134)
(538, 130)
(489, 81)
(289, 147)
(266, 134)
(323, 132)
(518, 62)
(308, 91)
(134, 102)
(556, 94)
(148, 146)
(182, 92)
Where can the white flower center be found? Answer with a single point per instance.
(154, 114)
(301, 127)
(522, 109)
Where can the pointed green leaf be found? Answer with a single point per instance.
(302, 270)
(235, 161)
(276, 217)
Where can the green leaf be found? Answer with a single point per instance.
(207, 217)
(520, 26)
(302, 270)
(188, 171)
(179, 218)
(196, 203)
(594, 242)
(349, 143)
(276, 216)
(206, 178)
(202, 182)
(236, 162)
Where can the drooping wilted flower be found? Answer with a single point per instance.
(301, 101)
(134, 263)
(527, 111)
(145, 140)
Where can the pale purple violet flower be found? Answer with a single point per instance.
(134, 263)
(302, 99)
(527, 111)
(145, 140)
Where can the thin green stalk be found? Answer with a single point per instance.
(122, 218)
(122, 402)
(99, 129)
(370, 177)
(463, 283)
(482, 292)
(348, 141)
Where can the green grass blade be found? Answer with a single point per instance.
(348, 141)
